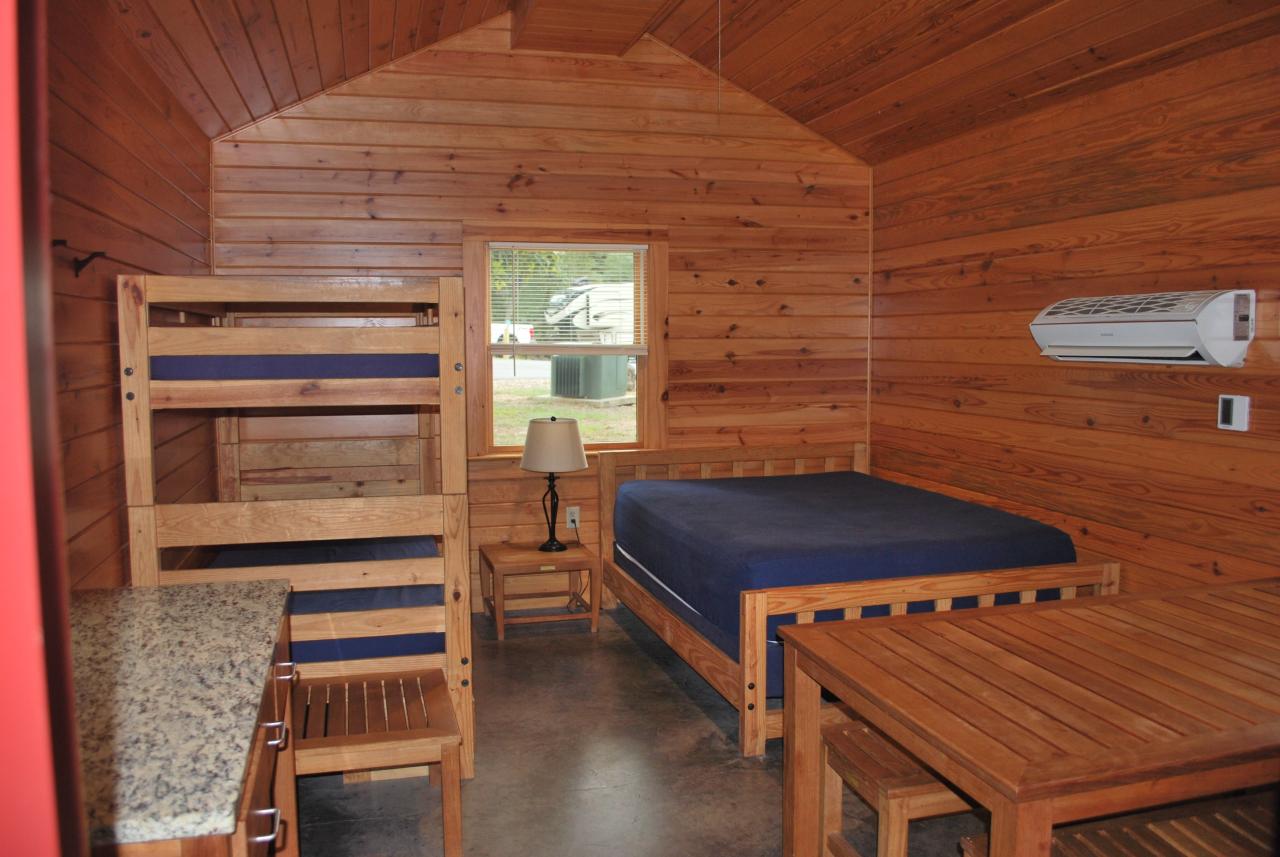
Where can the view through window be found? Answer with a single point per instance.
(567, 327)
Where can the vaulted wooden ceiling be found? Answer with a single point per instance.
(611, 26)
(233, 61)
(883, 78)
(878, 77)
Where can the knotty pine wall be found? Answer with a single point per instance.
(768, 224)
(1169, 182)
(129, 172)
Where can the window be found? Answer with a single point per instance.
(568, 336)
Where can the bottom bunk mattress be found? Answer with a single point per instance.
(696, 545)
(348, 600)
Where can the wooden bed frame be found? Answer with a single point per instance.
(441, 442)
(742, 681)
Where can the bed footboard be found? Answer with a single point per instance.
(934, 591)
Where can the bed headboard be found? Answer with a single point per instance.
(625, 465)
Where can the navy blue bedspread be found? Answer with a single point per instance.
(347, 600)
(271, 367)
(703, 542)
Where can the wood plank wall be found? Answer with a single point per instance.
(1169, 182)
(130, 177)
(768, 223)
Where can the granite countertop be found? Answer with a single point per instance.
(168, 686)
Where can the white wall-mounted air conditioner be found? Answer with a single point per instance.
(1197, 328)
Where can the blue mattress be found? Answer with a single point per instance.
(697, 544)
(347, 600)
(269, 367)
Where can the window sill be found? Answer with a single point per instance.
(591, 453)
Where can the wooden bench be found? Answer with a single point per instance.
(391, 720)
(884, 776)
(1229, 827)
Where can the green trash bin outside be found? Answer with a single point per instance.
(590, 377)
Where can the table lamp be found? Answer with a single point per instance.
(553, 446)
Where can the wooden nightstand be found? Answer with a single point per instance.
(500, 560)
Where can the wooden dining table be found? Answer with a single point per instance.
(1052, 712)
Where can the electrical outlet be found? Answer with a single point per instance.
(572, 516)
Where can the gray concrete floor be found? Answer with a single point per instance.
(589, 746)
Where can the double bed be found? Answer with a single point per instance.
(715, 549)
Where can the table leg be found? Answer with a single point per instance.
(499, 611)
(486, 584)
(596, 578)
(1021, 829)
(802, 758)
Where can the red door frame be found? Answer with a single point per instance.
(40, 810)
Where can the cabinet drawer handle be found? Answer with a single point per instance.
(275, 826)
(282, 734)
(292, 666)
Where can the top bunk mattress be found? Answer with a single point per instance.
(279, 367)
(706, 541)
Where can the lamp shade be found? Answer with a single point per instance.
(553, 446)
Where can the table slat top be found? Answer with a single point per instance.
(1050, 698)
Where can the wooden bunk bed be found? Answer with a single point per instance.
(743, 680)
(379, 568)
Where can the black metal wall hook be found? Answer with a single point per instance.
(78, 263)
(81, 264)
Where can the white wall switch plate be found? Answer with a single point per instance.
(573, 516)
(1233, 413)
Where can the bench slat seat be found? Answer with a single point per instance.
(1228, 827)
(386, 720)
(883, 775)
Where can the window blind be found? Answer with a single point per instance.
(547, 299)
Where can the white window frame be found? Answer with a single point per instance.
(651, 366)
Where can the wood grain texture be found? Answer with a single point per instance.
(129, 176)
(880, 79)
(883, 79)
(230, 62)
(587, 26)
(767, 225)
(1089, 197)
(985, 699)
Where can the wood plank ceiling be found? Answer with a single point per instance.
(614, 25)
(885, 78)
(231, 62)
(879, 78)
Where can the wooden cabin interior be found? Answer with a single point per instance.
(285, 262)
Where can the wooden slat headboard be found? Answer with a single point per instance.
(627, 465)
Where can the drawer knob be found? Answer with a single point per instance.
(282, 734)
(275, 826)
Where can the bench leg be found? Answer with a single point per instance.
(832, 822)
(891, 834)
(451, 800)
(499, 608)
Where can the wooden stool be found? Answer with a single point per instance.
(890, 781)
(1228, 827)
(499, 561)
(392, 720)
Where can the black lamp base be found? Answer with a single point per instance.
(550, 510)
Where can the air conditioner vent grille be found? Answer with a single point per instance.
(1130, 305)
